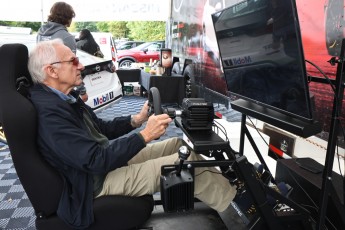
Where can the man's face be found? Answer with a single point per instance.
(68, 68)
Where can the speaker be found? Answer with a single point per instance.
(304, 175)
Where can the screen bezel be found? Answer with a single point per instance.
(301, 63)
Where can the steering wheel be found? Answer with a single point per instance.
(154, 102)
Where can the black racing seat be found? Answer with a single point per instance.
(40, 181)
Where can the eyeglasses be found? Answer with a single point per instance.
(74, 60)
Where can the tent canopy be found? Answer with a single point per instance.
(88, 10)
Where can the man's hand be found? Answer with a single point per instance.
(155, 127)
(141, 117)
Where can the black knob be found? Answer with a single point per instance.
(183, 154)
(170, 112)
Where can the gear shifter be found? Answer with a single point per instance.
(183, 154)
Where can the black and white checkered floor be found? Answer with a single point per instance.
(16, 212)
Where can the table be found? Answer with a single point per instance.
(171, 88)
(128, 75)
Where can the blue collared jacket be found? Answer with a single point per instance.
(65, 143)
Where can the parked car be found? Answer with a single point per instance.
(101, 82)
(119, 41)
(106, 43)
(2, 135)
(128, 45)
(141, 53)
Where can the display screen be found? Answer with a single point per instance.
(262, 56)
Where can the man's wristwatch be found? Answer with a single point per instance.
(133, 123)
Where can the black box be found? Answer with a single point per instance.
(280, 140)
(307, 184)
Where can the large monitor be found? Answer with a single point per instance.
(262, 56)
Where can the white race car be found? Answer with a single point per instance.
(101, 82)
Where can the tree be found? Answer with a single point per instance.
(33, 25)
(72, 27)
(86, 25)
(146, 30)
(103, 26)
(137, 30)
(118, 29)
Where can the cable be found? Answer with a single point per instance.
(208, 171)
(254, 126)
(338, 113)
(292, 176)
(316, 209)
(323, 74)
(221, 128)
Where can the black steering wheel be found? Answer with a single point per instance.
(154, 102)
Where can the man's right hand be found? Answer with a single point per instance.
(155, 127)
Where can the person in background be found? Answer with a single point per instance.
(82, 92)
(77, 143)
(88, 44)
(59, 19)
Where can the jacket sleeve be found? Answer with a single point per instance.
(115, 128)
(64, 138)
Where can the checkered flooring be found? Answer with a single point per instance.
(16, 212)
(15, 208)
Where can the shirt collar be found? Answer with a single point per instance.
(69, 98)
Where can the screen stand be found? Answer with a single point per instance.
(269, 217)
(300, 217)
(293, 125)
(327, 186)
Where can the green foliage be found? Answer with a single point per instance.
(118, 29)
(33, 25)
(103, 26)
(146, 30)
(136, 30)
(92, 26)
(72, 27)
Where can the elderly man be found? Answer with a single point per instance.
(76, 143)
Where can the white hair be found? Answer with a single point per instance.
(43, 54)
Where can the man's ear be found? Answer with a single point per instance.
(51, 71)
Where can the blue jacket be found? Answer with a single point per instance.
(65, 143)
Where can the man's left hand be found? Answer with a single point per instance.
(141, 117)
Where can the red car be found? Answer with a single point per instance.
(141, 53)
(128, 45)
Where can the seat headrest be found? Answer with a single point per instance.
(14, 73)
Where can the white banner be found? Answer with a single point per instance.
(88, 10)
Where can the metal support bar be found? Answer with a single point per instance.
(335, 123)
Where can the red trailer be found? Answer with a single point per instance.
(192, 39)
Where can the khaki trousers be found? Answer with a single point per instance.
(142, 176)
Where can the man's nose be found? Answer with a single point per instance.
(81, 66)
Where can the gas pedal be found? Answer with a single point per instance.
(240, 213)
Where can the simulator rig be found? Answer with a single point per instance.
(270, 205)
